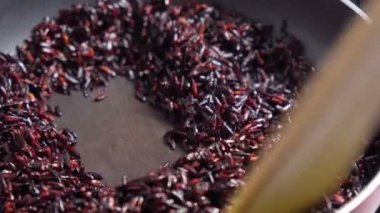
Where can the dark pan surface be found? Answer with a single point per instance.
(124, 136)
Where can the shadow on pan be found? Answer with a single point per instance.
(121, 136)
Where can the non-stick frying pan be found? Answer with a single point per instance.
(121, 136)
